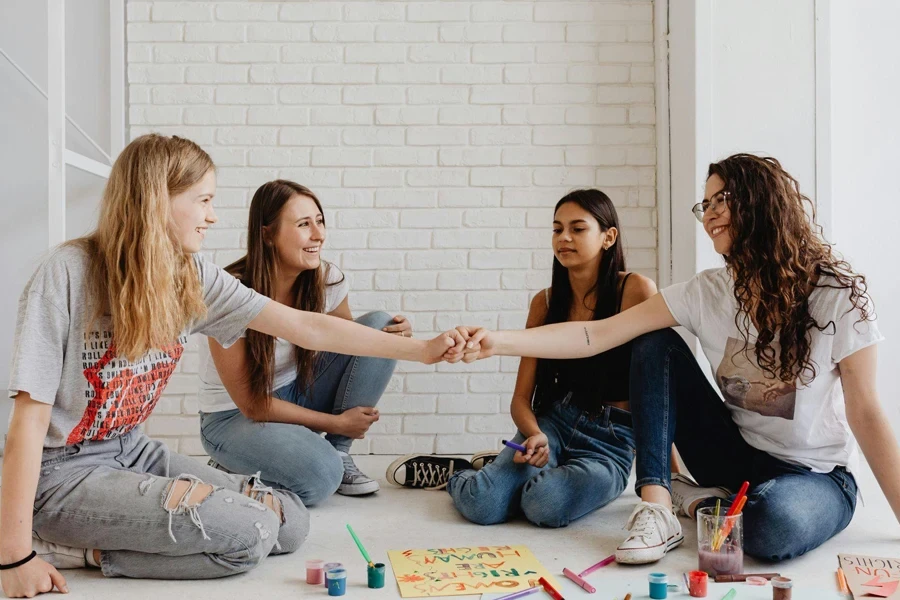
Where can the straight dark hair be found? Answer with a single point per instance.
(605, 292)
(256, 270)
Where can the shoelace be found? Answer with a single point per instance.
(431, 476)
(641, 523)
(351, 471)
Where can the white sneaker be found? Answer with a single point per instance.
(355, 482)
(654, 531)
(61, 557)
(686, 491)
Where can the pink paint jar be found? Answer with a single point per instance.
(315, 573)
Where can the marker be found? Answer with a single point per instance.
(549, 589)
(516, 446)
(521, 594)
(731, 594)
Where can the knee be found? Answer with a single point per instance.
(654, 345)
(775, 532)
(475, 500)
(254, 537)
(295, 522)
(543, 503)
(319, 478)
(377, 319)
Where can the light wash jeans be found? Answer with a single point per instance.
(111, 495)
(790, 510)
(590, 460)
(294, 457)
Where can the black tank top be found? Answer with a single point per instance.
(589, 383)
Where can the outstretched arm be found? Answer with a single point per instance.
(319, 332)
(575, 339)
(869, 423)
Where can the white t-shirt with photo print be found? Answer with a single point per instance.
(804, 424)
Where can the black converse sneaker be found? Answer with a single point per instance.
(482, 459)
(425, 471)
(212, 463)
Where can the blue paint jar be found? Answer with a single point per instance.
(659, 586)
(336, 580)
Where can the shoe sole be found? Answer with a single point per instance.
(649, 555)
(479, 456)
(359, 489)
(691, 483)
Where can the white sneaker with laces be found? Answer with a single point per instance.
(355, 482)
(686, 491)
(61, 557)
(654, 531)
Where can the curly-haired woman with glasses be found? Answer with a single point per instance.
(789, 330)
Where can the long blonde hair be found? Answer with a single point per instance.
(139, 275)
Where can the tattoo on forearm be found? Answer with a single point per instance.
(587, 337)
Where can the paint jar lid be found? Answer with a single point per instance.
(658, 578)
(328, 566)
(756, 580)
(314, 563)
(782, 582)
(336, 574)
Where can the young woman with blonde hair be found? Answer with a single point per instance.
(101, 327)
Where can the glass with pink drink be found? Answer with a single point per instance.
(720, 542)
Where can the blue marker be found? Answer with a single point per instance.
(516, 446)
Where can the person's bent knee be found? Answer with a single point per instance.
(541, 509)
(253, 535)
(295, 522)
(319, 478)
(377, 319)
(775, 533)
(655, 344)
(472, 495)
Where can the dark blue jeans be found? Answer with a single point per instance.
(790, 510)
(590, 460)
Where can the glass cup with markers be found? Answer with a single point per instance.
(720, 541)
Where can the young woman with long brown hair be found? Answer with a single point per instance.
(101, 327)
(264, 401)
(790, 331)
(571, 416)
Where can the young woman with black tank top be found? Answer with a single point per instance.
(572, 415)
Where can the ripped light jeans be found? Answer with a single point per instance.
(113, 495)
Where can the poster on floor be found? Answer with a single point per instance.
(870, 576)
(466, 570)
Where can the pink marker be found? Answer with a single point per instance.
(578, 578)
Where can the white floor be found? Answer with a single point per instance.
(396, 519)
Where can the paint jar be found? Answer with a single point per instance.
(336, 580)
(376, 576)
(315, 574)
(328, 567)
(699, 584)
(718, 555)
(782, 588)
(659, 586)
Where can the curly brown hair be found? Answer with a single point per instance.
(777, 257)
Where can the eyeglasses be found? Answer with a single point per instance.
(717, 203)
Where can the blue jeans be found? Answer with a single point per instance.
(790, 510)
(294, 457)
(590, 460)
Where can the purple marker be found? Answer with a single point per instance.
(521, 594)
(516, 446)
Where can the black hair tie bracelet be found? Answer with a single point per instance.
(19, 563)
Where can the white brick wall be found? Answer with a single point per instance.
(438, 135)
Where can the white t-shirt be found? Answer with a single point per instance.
(800, 424)
(212, 395)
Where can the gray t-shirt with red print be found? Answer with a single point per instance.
(97, 394)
